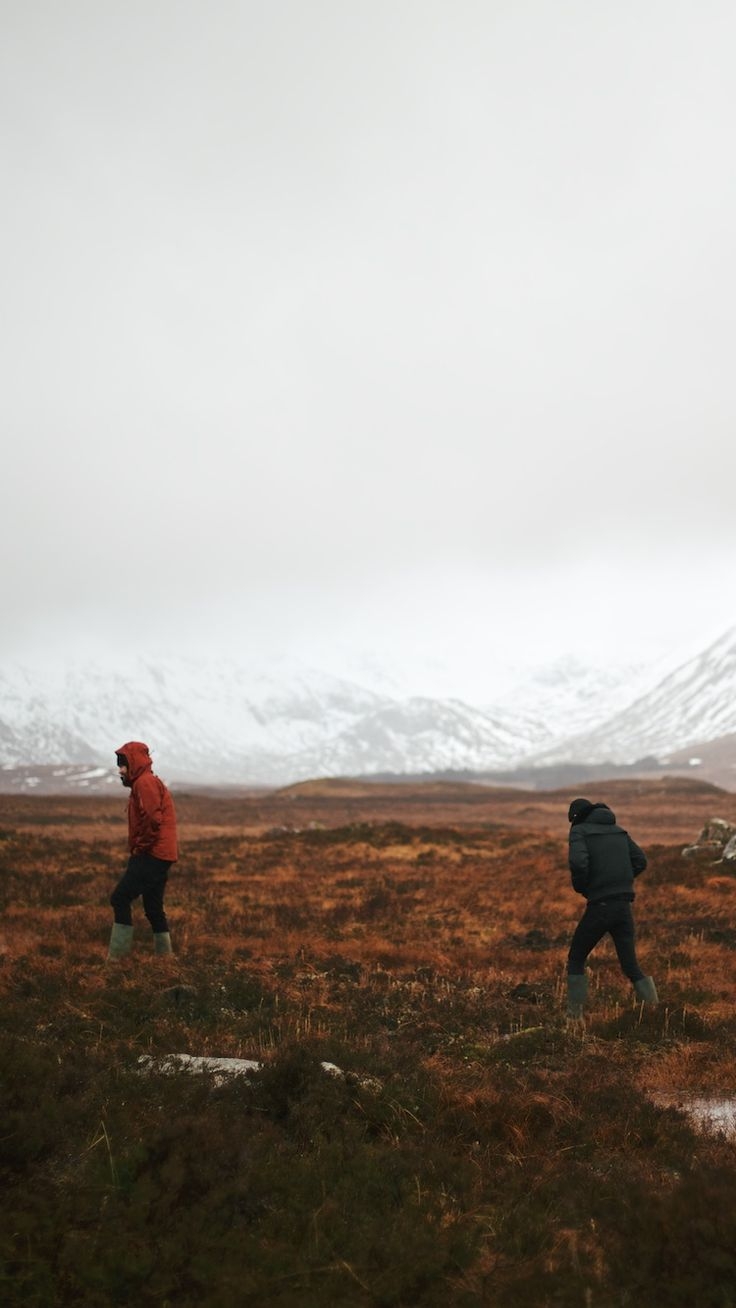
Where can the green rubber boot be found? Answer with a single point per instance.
(121, 940)
(162, 942)
(646, 991)
(577, 993)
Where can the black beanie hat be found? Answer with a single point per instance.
(579, 810)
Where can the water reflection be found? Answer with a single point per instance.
(715, 1113)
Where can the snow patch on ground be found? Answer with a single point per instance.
(225, 1067)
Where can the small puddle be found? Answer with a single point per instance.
(715, 1113)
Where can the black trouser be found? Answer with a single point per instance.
(146, 876)
(615, 917)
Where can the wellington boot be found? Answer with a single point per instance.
(121, 940)
(162, 942)
(577, 993)
(646, 991)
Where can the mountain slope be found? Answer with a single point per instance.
(418, 734)
(694, 704)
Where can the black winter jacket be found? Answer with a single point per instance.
(603, 858)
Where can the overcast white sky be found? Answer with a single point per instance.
(368, 324)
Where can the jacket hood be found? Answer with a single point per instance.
(602, 815)
(139, 759)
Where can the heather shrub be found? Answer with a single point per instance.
(477, 1149)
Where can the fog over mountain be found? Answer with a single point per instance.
(405, 326)
(218, 722)
(695, 703)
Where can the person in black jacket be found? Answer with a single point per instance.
(604, 861)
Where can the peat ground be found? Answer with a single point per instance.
(478, 1151)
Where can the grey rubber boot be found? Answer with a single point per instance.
(121, 940)
(162, 942)
(646, 990)
(577, 993)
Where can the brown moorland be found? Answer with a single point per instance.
(478, 1150)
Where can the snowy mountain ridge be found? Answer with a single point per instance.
(223, 721)
(694, 703)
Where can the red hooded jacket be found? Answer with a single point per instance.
(151, 815)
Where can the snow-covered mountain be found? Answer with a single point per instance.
(226, 720)
(565, 696)
(414, 735)
(693, 704)
(204, 719)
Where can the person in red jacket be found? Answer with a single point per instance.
(153, 848)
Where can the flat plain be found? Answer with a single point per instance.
(478, 1148)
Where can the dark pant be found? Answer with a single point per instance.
(146, 876)
(615, 917)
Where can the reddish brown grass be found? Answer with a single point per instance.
(428, 954)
